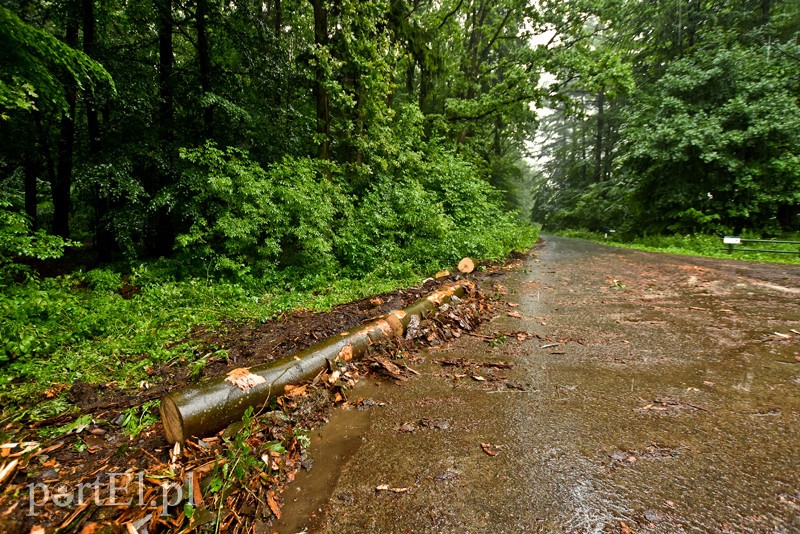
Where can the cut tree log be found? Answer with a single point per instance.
(466, 265)
(211, 405)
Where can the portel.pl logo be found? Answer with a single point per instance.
(115, 492)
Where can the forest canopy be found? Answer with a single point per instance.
(241, 138)
(699, 134)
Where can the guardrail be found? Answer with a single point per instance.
(732, 241)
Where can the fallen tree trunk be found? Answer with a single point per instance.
(205, 408)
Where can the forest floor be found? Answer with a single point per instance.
(115, 453)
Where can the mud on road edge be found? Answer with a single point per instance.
(233, 479)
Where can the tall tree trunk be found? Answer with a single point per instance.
(89, 41)
(166, 108)
(31, 176)
(278, 19)
(598, 143)
(62, 185)
(163, 239)
(766, 5)
(102, 237)
(320, 93)
(204, 59)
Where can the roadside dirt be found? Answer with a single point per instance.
(614, 391)
(42, 485)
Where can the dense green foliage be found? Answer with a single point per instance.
(704, 136)
(202, 160)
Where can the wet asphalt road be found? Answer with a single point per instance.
(663, 395)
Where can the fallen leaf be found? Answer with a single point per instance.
(512, 304)
(625, 529)
(707, 383)
(514, 314)
(487, 448)
(671, 504)
(243, 379)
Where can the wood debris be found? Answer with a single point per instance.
(243, 379)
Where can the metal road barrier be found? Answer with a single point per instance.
(732, 241)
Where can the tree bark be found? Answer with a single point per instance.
(31, 192)
(102, 236)
(210, 406)
(62, 185)
(320, 93)
(162, 241)
(166, 109)
(598, 144)
(204, 60)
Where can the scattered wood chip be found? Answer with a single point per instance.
(295, 391)
(512, 304)
(514, 314)
(549, 346)
(273, 505)
(442, 274)
(498, 365)
(346, 354)
(625, 529)
(243, 379)
(7, 471)
(390, 368)
(479, 378)
(408, 428)
(782, 336)
(386, 487)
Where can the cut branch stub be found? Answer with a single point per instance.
(209, 406)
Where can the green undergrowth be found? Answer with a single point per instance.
(104, 327)
(696, 245)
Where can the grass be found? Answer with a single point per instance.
(78, 327)
(696, 245)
